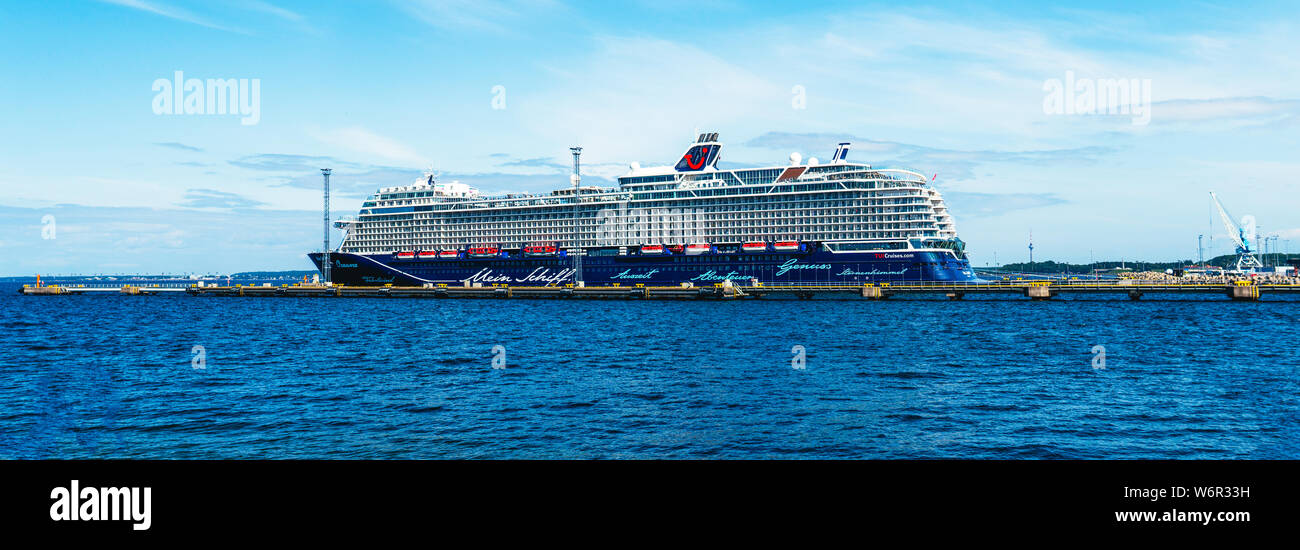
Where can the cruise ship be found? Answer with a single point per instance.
(837, 222)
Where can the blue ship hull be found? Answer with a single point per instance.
(817, 267)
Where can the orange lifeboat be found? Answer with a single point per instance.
(786, 246)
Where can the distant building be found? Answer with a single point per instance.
(1105, 270)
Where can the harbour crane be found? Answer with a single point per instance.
(1245, 256)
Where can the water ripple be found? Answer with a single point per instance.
(113, 377)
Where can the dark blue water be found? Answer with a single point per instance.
(114, 377)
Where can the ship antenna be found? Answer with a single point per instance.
(576, 178)
(325, 256)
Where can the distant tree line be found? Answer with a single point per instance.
(298, 274)
(1227, 261)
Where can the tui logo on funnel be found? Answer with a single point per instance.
(698, 157)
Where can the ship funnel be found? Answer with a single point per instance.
(841, 152)
(703, 154)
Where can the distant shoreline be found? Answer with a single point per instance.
(1048, 267)
(295, 275)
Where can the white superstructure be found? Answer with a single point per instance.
(841, 203)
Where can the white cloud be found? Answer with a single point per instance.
(925, 68)
(1257, 109)
(94, 239)
(170, 12)
(473, 15)
(151, 241)
(634, 97)
(267, 7)
(360, 140)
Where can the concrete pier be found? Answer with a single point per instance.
(1039, 292)
(46, 290)
(1244, 293)
(1035, 290)
(873, 292)
(43, 290)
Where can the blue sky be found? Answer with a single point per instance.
(383, 90)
